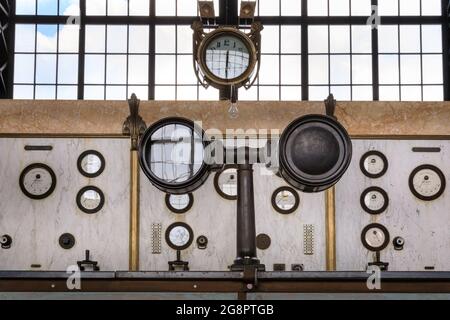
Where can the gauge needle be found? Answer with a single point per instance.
(226, 66)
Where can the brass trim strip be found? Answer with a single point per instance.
(134, 211)
(330, 229)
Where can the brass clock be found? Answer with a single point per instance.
(226, 56)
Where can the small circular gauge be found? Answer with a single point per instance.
(373, 164)
(375, 237)
(285, 200)
(179, 203)
(179, 236)
(91, 163)
(427, 182)
(67, 241)
(90, 199)
(37, 181)
(225, 182)
(374, 200)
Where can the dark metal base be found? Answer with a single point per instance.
(242, 264)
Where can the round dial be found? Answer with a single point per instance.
(427, 182)
(90, 199)
(225, 182)
(285, 200)
(227, 57)
(91, 163)
(375, 237)
(374, 164)
(179, 236)
(37, 181)
(179, 203)
(374, 200)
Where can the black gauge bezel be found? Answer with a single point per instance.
(383, 229)
(425, 167)
(37, 166)
(378, 154)
(71, 238)
(216, 182)
(374, 189)
(100, 205)
(296, 197)
(179, 211)
(102, 161)
(187, 227)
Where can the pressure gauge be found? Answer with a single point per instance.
(179, 236)
(375, 237)
(285, 200)
(373, 164)
(427, 182)
(90, 199)
(225, 182)
(374, 200)
(91, 163)
(179, 203)
(37, 181)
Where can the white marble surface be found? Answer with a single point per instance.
(215, 217)
(425, 226)
(35, 225)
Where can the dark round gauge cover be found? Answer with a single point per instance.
(315, 152)
(281, 210)
(171, 155)
(378, 226)
(96, 209)
(94, 174)
(179, 210)
(441, 177)
(183, 225)
(383, 194)
(37, 166)
(382, 157)
(67, 241)
(263, 241)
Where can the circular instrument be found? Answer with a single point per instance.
(373, 164)
(225, 182)
(67, 241)
(37, 181)
(91, 163)
(427, 182)
(374, 200)
(285, 200)
(179, 203)
(90, 199)
(375, 237)
(179, 236)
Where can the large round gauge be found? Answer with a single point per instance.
(179, 203)
(90, 199)
(285, 200)
(179, 236)
(37, 181)
(375, 237)
(427, 182)
(225, 182)
(91, 163)
(227, 56)
(373, 164)
(374, 200)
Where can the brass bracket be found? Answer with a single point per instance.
(134, 126)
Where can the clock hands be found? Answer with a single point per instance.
(226, 66)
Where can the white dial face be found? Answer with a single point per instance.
(91, 163)
(90, 199)
(375, 237)
(374, 200)
(37, 181)
(179, 202)
(179, 236)
(227, 57)
(228, 182)
(427, 182)
(285, 200)
(374, 164)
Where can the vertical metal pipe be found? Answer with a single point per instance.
(134, 211)
(330, 221)
(246, 229)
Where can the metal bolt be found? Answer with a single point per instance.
(249, 286)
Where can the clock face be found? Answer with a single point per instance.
(427, 182)
(375, 237)
(374, 164)
(37, 181)
(90, 199)
(91, 163)
(179, 236)
(227, 57)
(285, 200)
(374, 200)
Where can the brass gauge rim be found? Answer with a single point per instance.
(201, 56)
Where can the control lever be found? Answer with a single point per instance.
(88, 263)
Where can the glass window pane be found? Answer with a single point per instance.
(46, 37)
(388, 67)
(317, 8)
(432, 69)
(187, 8)
(116, 93)
(94, 69)
(69, 8)
(46, 68)
(269, 8)
(431, 7)
(67, 92)
(291, 70)
(212, 94)
(140, 91)
(433, 93)
(94, 92)
(362, 69)
(117, 39)
(361, 7)
(341, 93)
(388, 39)
(24, 68)
(339, 8)
(269, 93)
(362, 93)
(339, 39)
(139, 7)
(318, 39)
(291, 93)
(165, 7)
(271, 37)
(185, 71)
(248, 95)
(96, 7)
(165, 39)
(411, 93)
(340, 70)
(410, 69)
(68, 38)
(24, 38)
(116, 69)
(139, 38)
(361, 39)
(95, 38)
(388, 7)
(117, 8)
(269, 72)
(410, 8)
(431, 38)
(138, 69)
(318, 69)
(45, 92)
(318, 93)
(26, 7)
(23, 92)
(291, 39)
(184, 38)
(409, 39)
(47, 7)
(187, 93)
(291, 8)
(68, 68)
(165, 69)
(164, 93)
(389, 93)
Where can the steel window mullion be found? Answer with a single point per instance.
(81, 50)
(446, 49)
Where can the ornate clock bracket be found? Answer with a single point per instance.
(330, 106)
(134, 126)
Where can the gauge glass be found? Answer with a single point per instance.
(373, 164)
(227, 183)
(90, 199)
(91, 163)
(37, 181)
(285, 200)
(374, 200)
(179, 236)
(375, 237)
(179, 202)
(427, 182)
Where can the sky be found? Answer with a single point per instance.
(338, 69)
